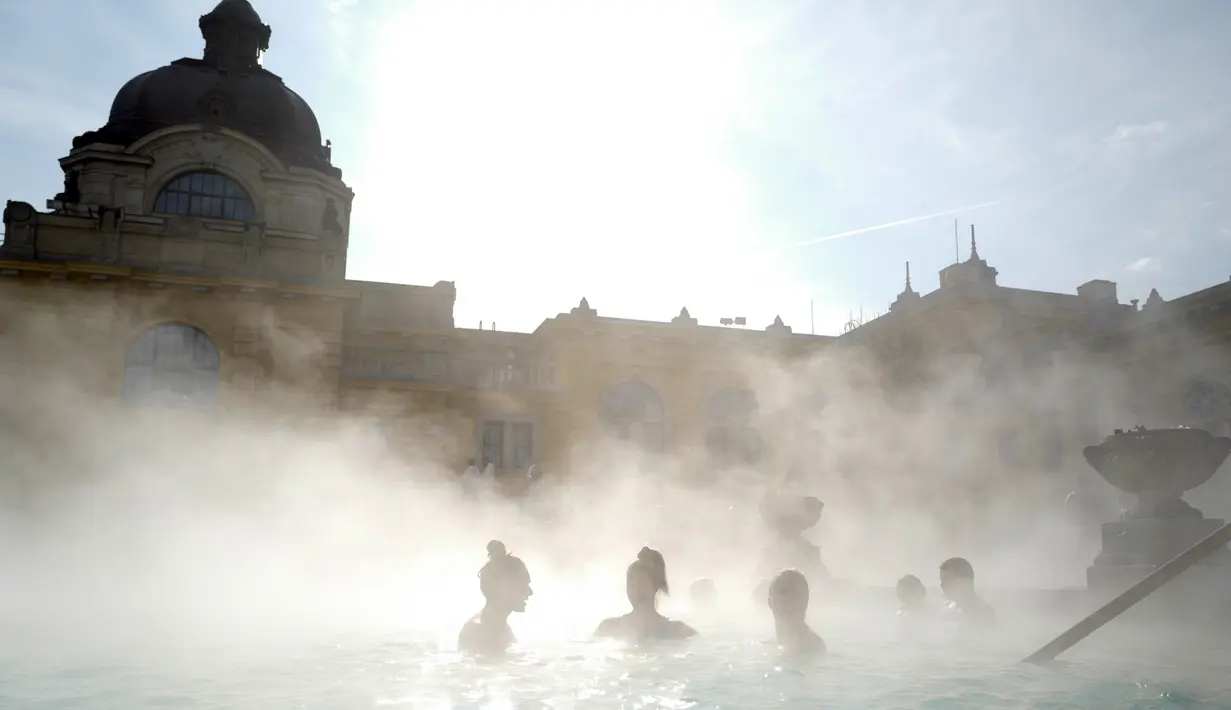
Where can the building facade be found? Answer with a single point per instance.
(199, 245)
(199, 248)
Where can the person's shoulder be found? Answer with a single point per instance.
(680, 630)
(804, 643)
(816, 644)
(470, 637)
(608, 628)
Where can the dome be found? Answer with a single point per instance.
(227, 88)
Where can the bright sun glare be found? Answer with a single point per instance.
(538, 152)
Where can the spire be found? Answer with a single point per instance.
(234, 36)
(583, 309)
(908, 294)
(975, 271)
(778, 327)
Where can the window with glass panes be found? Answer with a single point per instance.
(507, 445)
(172, 364)
(206, 194)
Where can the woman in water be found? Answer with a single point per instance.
(912, 597)
(788, 600)
(646, 577)
(505, 584)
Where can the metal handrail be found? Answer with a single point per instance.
(1129, 598)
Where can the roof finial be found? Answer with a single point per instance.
(234, 36)
(974, 249)
(908, 288)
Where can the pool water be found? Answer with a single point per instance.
(879, 669)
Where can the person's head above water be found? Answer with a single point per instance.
(646, 577)
(788, 596)
(911, 592)
(504, 580)
(957, 578)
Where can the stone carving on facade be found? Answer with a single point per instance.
(331, 223)
(19, 225)
(254, 250)
(584, 310)
(209, 151)
(71, 194)
(684, 318)
(16, 212)
(215, 105)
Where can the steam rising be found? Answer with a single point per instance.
(123, 523)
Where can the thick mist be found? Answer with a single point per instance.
(126, 523)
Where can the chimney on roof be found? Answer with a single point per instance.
(1099, 291)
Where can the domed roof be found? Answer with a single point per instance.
(227, 87)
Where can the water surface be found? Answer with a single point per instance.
(869, 669)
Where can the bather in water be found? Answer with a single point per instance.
(505, 584)
(788, 600)
(646, 578)
(703, 594)
(912, 597)
(957, 581)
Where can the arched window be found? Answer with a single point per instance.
(206, 194)
(633, 411)
(172, 364)
(730, 436)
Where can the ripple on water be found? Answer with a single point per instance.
(715, 671)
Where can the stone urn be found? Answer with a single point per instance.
(790, 516)
(1159, 466)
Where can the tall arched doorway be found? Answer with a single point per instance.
(172, 364)
(730, 436)
(633, 412)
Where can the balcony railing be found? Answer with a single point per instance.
(494, 372)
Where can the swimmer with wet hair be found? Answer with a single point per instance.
(645, 580)
(703, 592)
(957, 581)
(912, 596)
(505, 584)
(788, 600)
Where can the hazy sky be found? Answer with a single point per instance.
(651, 154)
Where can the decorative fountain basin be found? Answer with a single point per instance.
(1157, 466)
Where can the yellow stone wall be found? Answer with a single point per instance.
(277, 344)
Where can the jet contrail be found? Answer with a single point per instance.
(887, 225)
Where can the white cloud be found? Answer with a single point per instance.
(1139, 132)
(1144, 265)
(341, 27)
